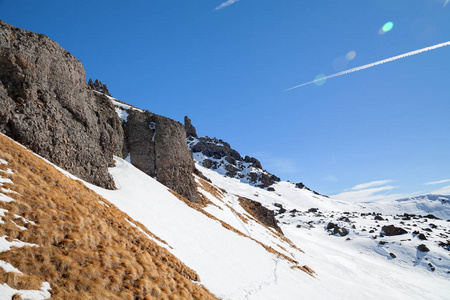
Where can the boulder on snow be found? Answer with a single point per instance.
(423, 248)
(331, 226)
(379, 218)
(340, 230)
(391, 230)
(422, 236)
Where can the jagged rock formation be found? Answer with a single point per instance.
(190, 130)
(45, 104)
(98, 86)
(216, 154)
(157, 146)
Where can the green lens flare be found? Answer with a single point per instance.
(388, 26)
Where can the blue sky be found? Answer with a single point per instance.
(377, 133)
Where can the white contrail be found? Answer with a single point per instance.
(225, 4)
(373, 64)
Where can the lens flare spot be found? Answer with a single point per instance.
(446, 2)
(386, 27)
(320, 79)
(350, 55)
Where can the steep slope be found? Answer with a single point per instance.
(60, 237)
(235, 255)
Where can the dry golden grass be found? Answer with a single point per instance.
(205, 185)
(86, 250)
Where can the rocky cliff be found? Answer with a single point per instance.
(157, 146)
(45, 104)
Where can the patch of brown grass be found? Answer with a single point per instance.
(305, 269)
(208, 187)
(86, 250)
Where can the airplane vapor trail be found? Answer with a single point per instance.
(373, 64)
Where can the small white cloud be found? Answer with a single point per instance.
(442, 191)
(226, 4)
(368, 194)
(370, 184)
(437, 182)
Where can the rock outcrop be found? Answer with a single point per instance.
(46, 105)
(157, 146)
(261, 213)
(190, 130)
(215, 154)
(98, 86)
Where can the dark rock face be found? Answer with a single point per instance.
(46, 105)
(98, 86)
(157, 146)
(261, 213)
(190, 130)
(217, 154)
(391, 230)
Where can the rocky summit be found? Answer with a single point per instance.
(215, 154)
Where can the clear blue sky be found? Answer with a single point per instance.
(227, 70)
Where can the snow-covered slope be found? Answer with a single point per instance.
(230, 264)
(237, 257)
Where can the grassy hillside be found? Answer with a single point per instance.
(78, 242)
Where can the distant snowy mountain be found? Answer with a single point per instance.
(437, 205)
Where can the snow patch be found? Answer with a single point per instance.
(6, 292)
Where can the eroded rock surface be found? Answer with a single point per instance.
(46, 105)
(157, 146)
